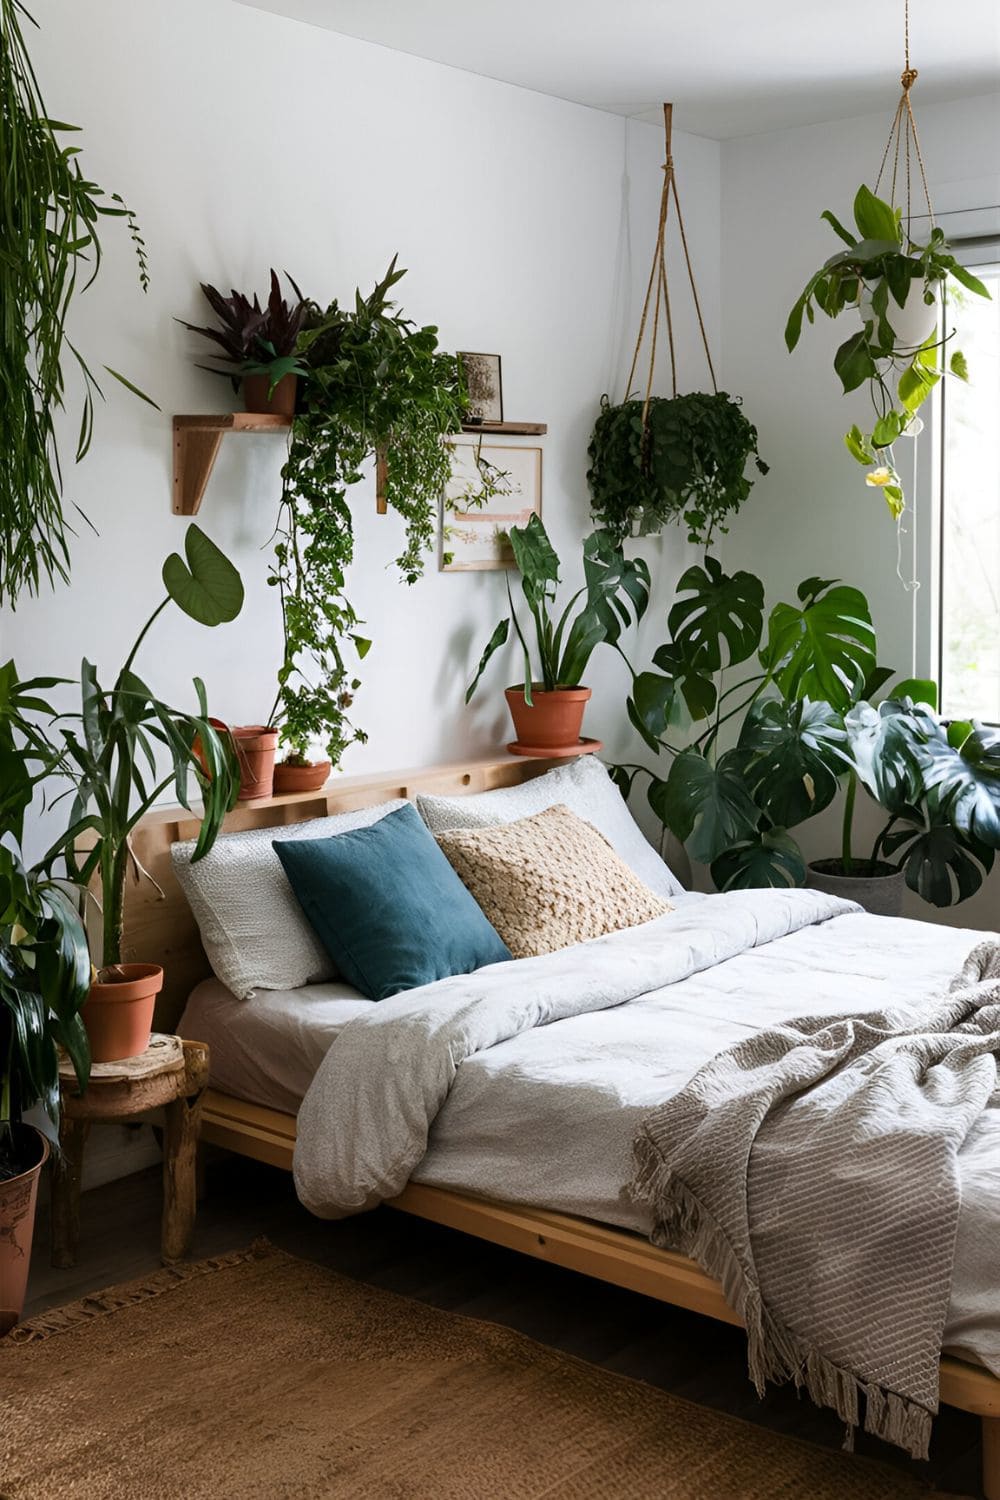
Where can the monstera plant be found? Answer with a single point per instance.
(806, 726)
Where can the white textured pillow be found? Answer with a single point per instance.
(251, 925)
(583, 786)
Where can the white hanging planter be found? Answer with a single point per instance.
(912, 323)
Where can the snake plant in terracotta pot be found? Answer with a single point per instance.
(44, 978)
(120, 752)
(548, 709)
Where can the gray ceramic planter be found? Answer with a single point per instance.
(880, 894)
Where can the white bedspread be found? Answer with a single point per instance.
(526, 1081)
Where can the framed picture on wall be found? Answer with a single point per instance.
(474, 536)
(484, 386)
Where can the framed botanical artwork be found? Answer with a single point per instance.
(483, 385)
(507, 486)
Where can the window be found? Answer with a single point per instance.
(970, 510)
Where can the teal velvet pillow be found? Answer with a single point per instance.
(388, 907)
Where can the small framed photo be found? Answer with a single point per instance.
(483, 383)
(491, 489)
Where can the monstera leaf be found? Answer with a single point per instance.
(722, 609)
(207, 586)
(707, 807)
(943, 865)
(798, 758)
(771, 859)
(965, 779)
(885, 750)
(537, 561)
(650, 706)
(826, 649)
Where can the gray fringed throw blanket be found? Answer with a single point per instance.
(812, 1170)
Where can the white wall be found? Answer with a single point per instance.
(245, 140)
(813, 515)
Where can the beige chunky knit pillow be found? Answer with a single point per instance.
(548, 881)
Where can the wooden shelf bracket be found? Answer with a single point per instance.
(196, 446)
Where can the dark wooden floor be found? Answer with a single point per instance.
(690, 1356)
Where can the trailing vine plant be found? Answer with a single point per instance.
(376, 386)
(49, 214)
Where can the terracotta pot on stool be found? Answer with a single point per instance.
(118, 1012)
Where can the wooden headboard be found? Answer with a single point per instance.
(160, 928)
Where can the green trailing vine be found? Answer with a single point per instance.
(49, 215)
(686, 461)
(375, 386)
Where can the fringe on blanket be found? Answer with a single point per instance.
(775, 1353)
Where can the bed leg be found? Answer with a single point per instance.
(991, 1458)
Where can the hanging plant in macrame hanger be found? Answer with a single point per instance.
(896, 283)
(655, 459)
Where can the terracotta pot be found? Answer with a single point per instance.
(256, 746)
(879, 891)
(553, 720)
(289, 778)
(18, 1196)
(281, 402)
(118, 1012)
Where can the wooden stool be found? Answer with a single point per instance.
(171, 1074)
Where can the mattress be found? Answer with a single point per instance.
(267, 1049)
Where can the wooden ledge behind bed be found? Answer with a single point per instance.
(160, 928)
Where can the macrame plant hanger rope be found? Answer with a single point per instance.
(904, 141)
(658, 289)
(903, 145)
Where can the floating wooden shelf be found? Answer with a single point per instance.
(512, 429)
(196, 444)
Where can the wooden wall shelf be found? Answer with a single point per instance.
(196, 446)
(512, 429)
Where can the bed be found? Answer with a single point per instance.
(584, 1231)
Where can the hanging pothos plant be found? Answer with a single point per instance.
(49, 214)
(682, 458)
(895, 284)
(376, 386)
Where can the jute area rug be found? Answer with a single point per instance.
(261, 1375)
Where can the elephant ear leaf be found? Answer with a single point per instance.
(207, 586)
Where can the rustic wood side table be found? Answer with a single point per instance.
(171, 1074)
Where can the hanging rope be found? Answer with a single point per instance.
(903, 138)
(658, 288)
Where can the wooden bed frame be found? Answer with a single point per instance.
(160, 928)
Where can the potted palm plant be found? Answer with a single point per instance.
(107, 752)
(895, 284)
(939, 784)
(44, 978)
(258, 345)
(548, 709)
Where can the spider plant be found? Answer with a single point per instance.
(51, 250)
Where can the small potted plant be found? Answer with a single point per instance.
(106, 752)
(686, 461)
(44, 978)
(547, 710)
(939, 783)
(258, 345)
(894, 283)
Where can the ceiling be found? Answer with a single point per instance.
(731, 67)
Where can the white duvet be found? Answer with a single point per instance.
(525, 1081)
